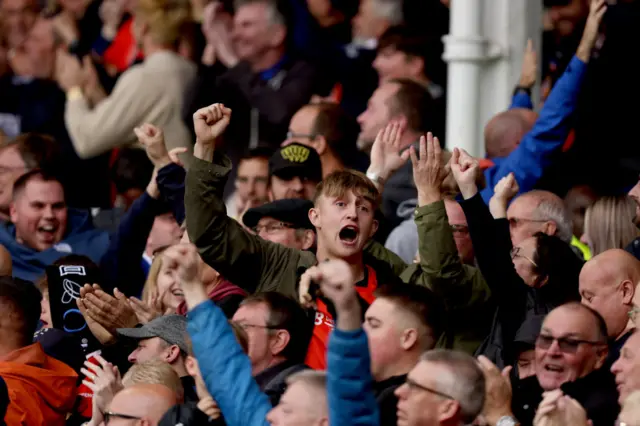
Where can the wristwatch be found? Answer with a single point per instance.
(375, 178)
(507, 421)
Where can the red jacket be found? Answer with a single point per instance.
(42, 390)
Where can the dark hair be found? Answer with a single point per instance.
(131, 169)
(286, 314)
(421, 303)
(20, 301)
(20, 183)
(414, 101)
(556, 262)
(415, 43)
(339, 129)
(258, 152)
(36, 150)
(600, 323)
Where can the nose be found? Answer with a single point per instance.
(554, 349)
(401, 392)
(360, 118)
(296, 184)
(132, 357)
(47, 212)
(271, 415)
(616, 367)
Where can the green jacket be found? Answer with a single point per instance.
(257, 265)
(462, 288)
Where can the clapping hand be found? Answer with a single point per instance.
(105, 381)
(428, 170)
(465, 170)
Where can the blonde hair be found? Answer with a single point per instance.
(609, 223)
(151, 284)
(166, 19)
(154, 373)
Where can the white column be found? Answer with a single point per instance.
(484, 53)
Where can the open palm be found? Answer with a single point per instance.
(386, 152)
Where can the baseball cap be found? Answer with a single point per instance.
(293, 211)
(170, 328)
(296, 160)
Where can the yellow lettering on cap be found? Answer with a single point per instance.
(295, 153)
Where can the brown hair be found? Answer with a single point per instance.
(608, 223)
(340, 182)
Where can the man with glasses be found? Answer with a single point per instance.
(570, 352)
(284, 222)
(144, 403)
(332, 133)
(294, 172)
(278, 330)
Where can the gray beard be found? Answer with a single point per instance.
(364, 145)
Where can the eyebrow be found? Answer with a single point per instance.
(574, 335)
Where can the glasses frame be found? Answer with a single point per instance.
(565, 344)
(293, 135)
(276, 226)
(244, 326)
(412, 384)
(515, 252)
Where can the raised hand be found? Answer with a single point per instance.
(111, 13)
(105, 381)
(386, 155)
(210, 123)
(428, 170)
(498, 391)
(183, 262)
(146, 312)
(529, 72)
(503, 193)
(336, 282)
(465, 170)
(152, 138)
(103, 335)
(109, 311)
(68, 71)
(597, 9)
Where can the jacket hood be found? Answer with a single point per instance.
(29, 370)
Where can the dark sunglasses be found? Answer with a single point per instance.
(566, 344)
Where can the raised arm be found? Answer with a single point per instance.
(241, 257)
(225, 368)
(535, 152)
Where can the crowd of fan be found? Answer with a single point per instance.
(243, 213)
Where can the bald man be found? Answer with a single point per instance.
(6, 266)
(503, 132)
(607, 285)
(146, 403)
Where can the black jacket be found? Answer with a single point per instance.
(387, 400)
(273, 380)
(188, 414)
(596, 392)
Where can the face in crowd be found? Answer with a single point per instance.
(569, 346)
(39, 213)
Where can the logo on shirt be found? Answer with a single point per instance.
(71, 291)
(324, 319)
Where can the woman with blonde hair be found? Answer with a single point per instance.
(609, 224)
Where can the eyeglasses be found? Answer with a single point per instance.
(414, 385)
(245, 326)
(459, 229)
(292, 135)
(271, 228)
(108, 415)
(633, 313)
(566, 344)
(515, 221)
(517, 252)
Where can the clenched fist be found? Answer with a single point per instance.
(152, 138)
(210, 123)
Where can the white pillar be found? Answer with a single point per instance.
(484, 51)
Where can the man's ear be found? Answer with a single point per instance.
(601, 352)
(550, 228)
(314, 217)
(190, 366)
(374, 228)
(13, 213)
(280, 341)
(320, 144)
(409, 338)
(415, 65)
(278, 35)
(447, 410)
(173, 353)
(628, 290)
(309, 239)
